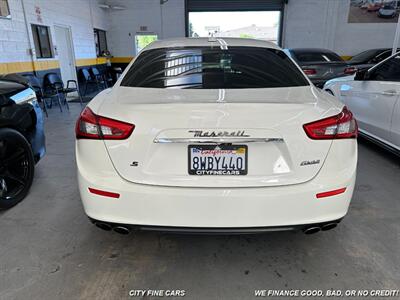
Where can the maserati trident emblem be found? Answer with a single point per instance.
(201, 133)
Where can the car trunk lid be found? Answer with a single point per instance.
(267, 122)
(324, 70)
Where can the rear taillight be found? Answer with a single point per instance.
(350, 70)
(309, 71)
(341, 126)
(91, 126)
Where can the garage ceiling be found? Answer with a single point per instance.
(234, 5)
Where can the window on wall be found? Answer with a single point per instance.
(101, 42)
(142, 40)
(4, 9)
(41, 38)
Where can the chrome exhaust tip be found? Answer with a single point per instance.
(328, 226)
(104, 226)
(311, 230)
(121, 230)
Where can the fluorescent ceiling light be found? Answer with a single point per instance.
(109, 6)
(117, 7)
(103, 5)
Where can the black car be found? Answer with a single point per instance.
(320, 65)
(22, 141)
(367, 59)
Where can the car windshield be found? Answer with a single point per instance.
(306, 57)
(365, 56)
(213, 68)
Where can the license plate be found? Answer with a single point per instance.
(217, 159)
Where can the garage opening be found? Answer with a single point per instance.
(259, 19)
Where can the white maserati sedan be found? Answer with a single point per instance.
(373, 96)
(215, 135)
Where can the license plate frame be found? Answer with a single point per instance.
(219, 171)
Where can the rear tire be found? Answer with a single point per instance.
(17, 167)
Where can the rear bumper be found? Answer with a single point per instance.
(213, 230)
(386, 16)
(160, 206)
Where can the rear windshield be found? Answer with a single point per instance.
(317, 57)
(364, 56)
(213, 68)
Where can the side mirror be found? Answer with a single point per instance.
(361, 75)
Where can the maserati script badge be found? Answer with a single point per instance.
(201, 133)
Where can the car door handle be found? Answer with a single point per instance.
(390, 93)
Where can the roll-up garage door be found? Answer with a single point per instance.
(234, 5)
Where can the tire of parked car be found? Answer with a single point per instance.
(17, 167)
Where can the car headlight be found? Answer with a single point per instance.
(26, 96)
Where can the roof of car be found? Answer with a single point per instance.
(311, 50)
(204, 42)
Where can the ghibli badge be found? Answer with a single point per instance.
(310, 162)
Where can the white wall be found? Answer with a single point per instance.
(323, 23)
(13, 36)
(80, 15)
(167, 20)
(308, 23)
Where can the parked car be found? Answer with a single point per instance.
(367, 59)
(320, 65)
(22, 141)
(221, 135)
(358, 3)
(373, 96)
(374, 6)
(387, 11)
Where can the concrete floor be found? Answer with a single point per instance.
(49, 250)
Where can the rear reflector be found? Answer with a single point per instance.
(331, 193)
(103, 193)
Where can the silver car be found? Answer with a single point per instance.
(387, 11)
(320, 65)
(374, 97)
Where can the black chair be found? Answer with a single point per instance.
(117, 72)
(34, 82)
(54, 84)
(108, 77)
(88, 79)
(100, 77)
